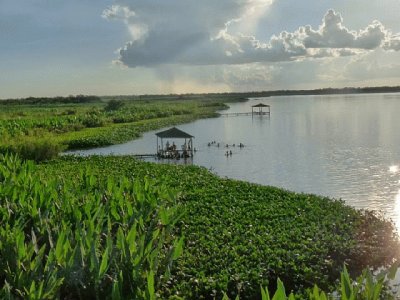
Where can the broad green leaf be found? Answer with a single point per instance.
(59, 246)
(178, 248)
(225, 297)
(150, 285)
(280, 293)
(104, 263)
(346, 285)
(264, 294)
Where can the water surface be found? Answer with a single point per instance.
(341, 146)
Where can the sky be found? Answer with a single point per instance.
(125, 47)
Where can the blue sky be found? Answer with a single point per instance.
(113, 47)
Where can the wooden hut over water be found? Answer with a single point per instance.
(258, 109)
(172, 150)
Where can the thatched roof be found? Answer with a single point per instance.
(174, 133)
(260, 105)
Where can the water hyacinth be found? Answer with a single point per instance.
(240, 236)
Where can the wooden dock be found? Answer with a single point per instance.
(144, 155)
(245, 114)
(177, 154)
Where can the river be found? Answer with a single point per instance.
(341, 146)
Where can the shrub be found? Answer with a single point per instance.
(92, 120)
(113, 105)
(38, 150)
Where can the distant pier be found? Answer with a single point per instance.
(245, 114)
(256, 110)
(144, 155)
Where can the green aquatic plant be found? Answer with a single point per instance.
(366, 287)
(239, 236)
(89, 238)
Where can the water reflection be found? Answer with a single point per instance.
(339, 146)
(397, 209)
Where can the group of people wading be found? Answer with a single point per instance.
(228, 152)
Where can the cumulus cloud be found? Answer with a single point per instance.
(191, 32)
(333, 34)
(184, 31)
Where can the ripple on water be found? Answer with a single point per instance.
(324, 145)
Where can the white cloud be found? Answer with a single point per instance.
(393, 43)
(372, 37)
(118, 12)
(333, 34)
(209, 45)
(183, 31)
(190, 32)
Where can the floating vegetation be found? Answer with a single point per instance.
(239, 236)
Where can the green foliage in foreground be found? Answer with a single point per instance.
(90, 238)
(240, 236)
(366, 287)
(93, 236)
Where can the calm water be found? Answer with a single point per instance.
(342, 146)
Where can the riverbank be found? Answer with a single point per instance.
(41, 131)
(41, 128)
(239, 236)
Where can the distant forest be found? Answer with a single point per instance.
(329, 91)
(244, 95)
(324, 91)
(49, 100)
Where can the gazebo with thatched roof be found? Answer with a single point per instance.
(172, 151)
(259, 111)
